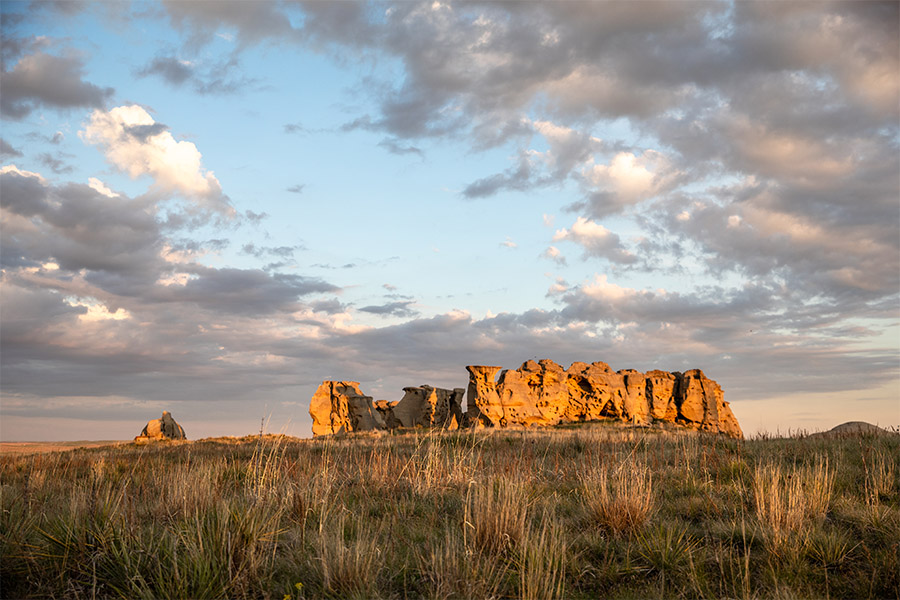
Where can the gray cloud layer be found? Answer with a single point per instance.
(41, 79)
(768, 157)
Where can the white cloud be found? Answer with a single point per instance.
(596, 240)
(97, 311)
(554, 254)
(135, 143)
(629, 176)
(100, 187)
(18, 171)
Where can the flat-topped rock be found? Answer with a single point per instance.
(543, 393)
(538, 393)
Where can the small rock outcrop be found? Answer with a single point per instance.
(856, 429)
(164, 428)
(539, 393)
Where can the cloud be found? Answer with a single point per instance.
(508, 243)
(626, 180)
(55, 164)
(253, 22)
(596, 241)
(279, 251)
(75, 227)
(6, 150)
(553, 253)
(394, 147)
(400, 308)
(136, 144)
(171, 69)
(42, 79)
(296, 189)
(204, 78)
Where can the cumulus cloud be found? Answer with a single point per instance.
(761, 148)
(626, 180)
(41, 79)
(136, 144)
(596, 241)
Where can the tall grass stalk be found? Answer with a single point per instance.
(497, 513)
(542, 572)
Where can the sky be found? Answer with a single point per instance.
(209, 208)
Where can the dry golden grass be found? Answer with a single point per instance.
(620, 498)
(582, 512)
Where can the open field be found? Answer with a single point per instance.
(33, 447)
(586, 512)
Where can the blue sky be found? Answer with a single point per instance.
(209, 208)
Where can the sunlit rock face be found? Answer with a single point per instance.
(426, 406)
(164, 428)
(484, 404)
(339, 406)
(701, 405)
(539, 393)
(543, 393)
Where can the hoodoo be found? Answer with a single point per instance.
(164, 428)
(539, 393)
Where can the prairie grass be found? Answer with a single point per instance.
(620, 499)
(576, 512)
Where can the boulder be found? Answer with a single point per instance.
(339, 406)
(164, 428)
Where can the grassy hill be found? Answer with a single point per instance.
(585, 512)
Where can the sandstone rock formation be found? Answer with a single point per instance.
(339, 406)
(537, 393)
(488, 411)
(426, 406)
(164, 428)
(543, 393)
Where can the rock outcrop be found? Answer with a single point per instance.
(543, 393)
(856, 429)
(339, 406)
(539, 393)
(426, 406)
(164, 428)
